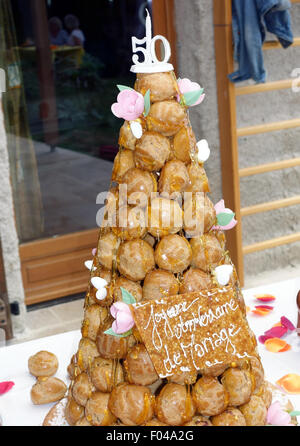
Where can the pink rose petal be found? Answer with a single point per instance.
(287, 323)
(276, 332)
(5, 386)
(267, 307)
(262, 339)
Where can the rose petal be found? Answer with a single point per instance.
(261, 311)
(264, 297)
(123, 323)
(5, 386)
(287, 323)
(275, 345)
(277, 325)
(285, 348)
(94, 251)
(290, 383)
(262, 339)
(219, 207)
(116, 110)
(120, 306)
(266, 307)
(276, 332)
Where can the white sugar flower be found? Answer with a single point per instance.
(203, 150)
(223, 273)
(100, 284)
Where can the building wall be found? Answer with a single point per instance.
(8, 235)
(196, 60)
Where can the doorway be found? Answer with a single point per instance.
(62, 135)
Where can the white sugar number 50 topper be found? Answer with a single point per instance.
(150, 64)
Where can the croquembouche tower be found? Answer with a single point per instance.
(165, 339)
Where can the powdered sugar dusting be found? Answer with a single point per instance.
(58, 414)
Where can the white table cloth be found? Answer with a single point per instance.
(16, 408)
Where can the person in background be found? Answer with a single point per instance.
(76, 36)
(58, 35)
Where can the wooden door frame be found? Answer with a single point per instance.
(54, 267)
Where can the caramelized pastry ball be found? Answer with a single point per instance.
(129, 223)
(123, 161)
(140, 184)
(159, 284)
(135, 259)
(195, 280)
(83, 422)
(107, 246)
(265, 393)
(155, 422)
(73, 368)
(173, 178)
(162, 86)
(111, 206)
(198, 420)
(207, 252)
(184, 378)
(87, 351)
(173, 253)
(199, 214)
(111, 347)
(82, 388)
(139, 367)
(174, 405)
(94, 316)
(198, 181)
(230, 417)
(164, 217)
(184, 143)
(255, 411)
(210, 396)
(47, 389)
(257, 371)
(132, 404)
(126, 138)
(149, 239)
(151, 151)
(133, 288)
(215, 370)
(106, 374)
(73, 412)
(97, 411)
(166, 117)
(238, 385)
(43, 363)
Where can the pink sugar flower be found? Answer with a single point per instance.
(220, 209)
(123, 317)
(130, 105)
(186, 86)
(276, 416)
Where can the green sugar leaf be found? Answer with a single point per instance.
(224, 219)
(191, 97)
(147, 102)
(127, 297)
(122, 335)
(294, 413)
(123, 87)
